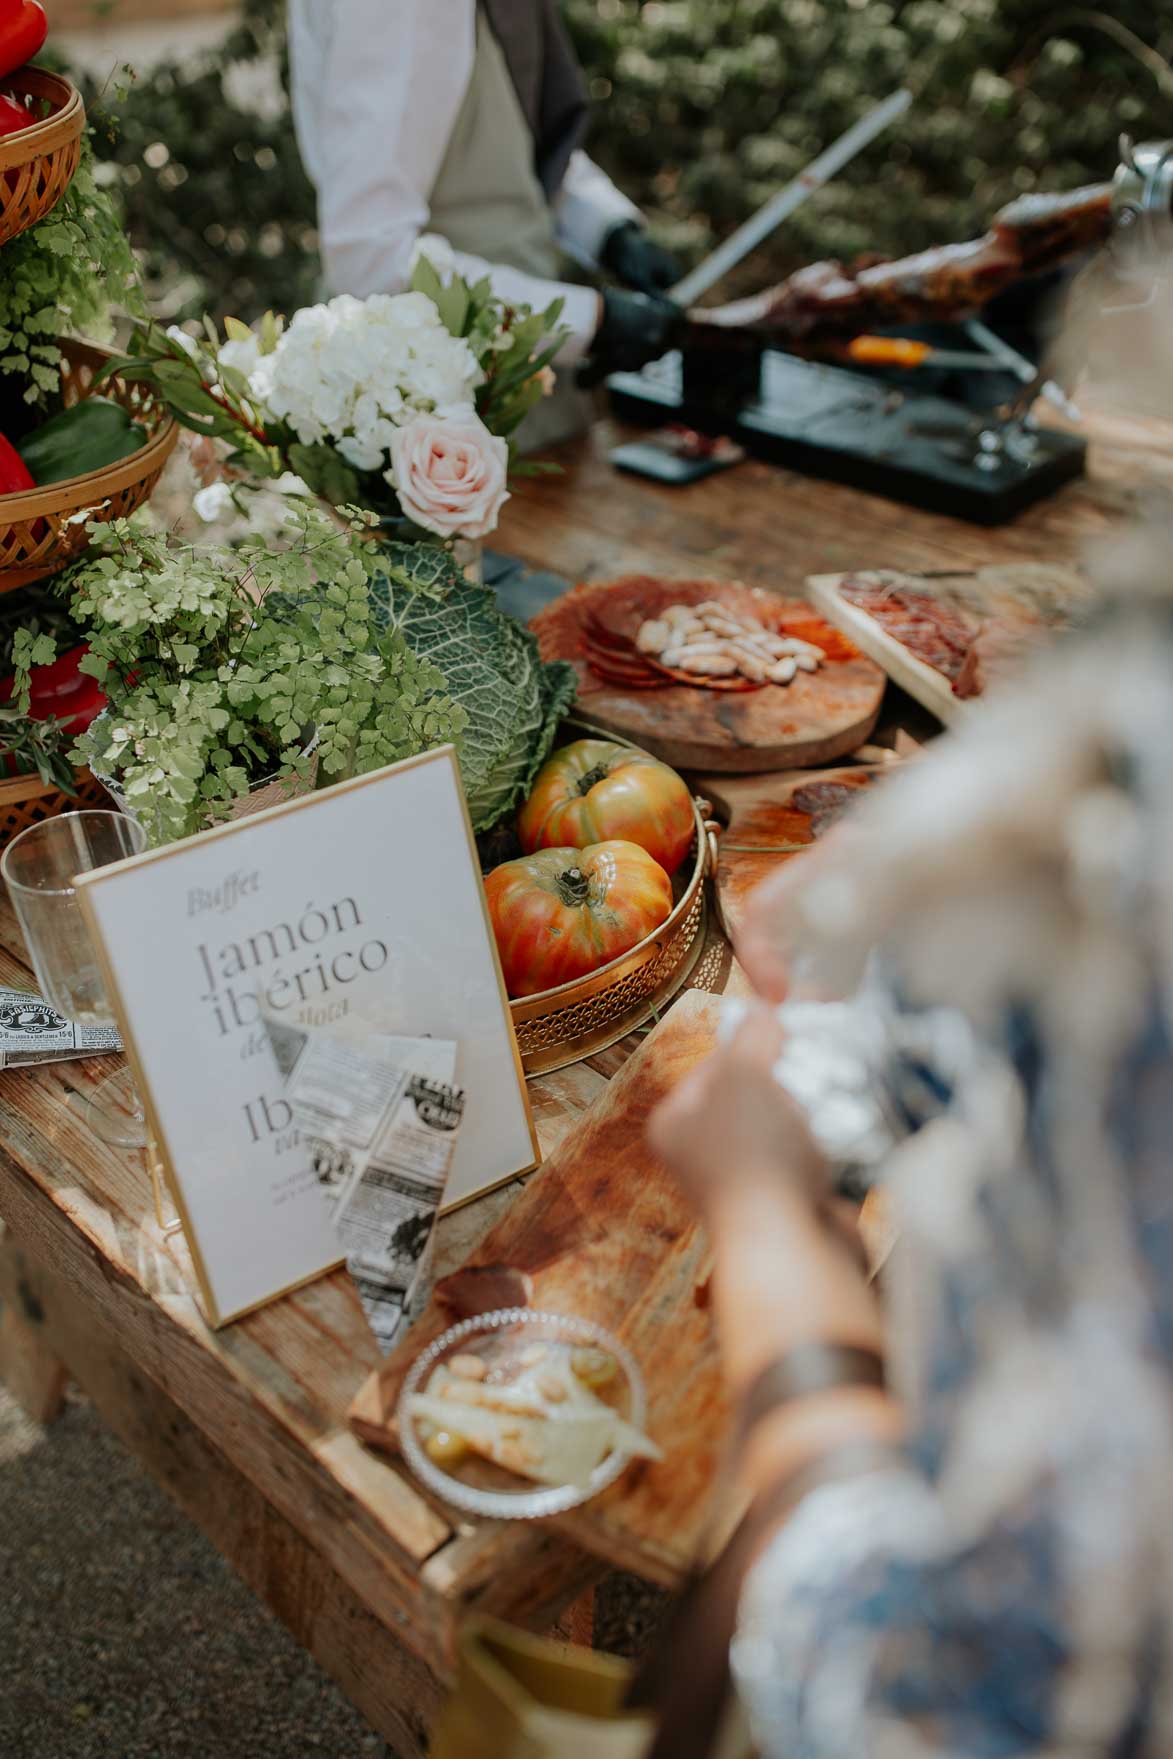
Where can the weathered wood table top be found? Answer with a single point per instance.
(247, 1426)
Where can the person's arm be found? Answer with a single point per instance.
(601, 229)
(588, 209)
(782, 1276)
(997, 1578)
(783, 1273)
(375, 115)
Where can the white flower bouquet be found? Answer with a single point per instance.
(404, 404)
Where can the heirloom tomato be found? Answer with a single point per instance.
(593, 790)
(559, 914)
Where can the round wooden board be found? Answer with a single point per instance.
(820, 717)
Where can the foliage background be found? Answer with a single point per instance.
(703, 107)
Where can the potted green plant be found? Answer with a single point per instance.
(32, 747)
(65, 276)
(228, 669)
(66, 444)
(40, 721)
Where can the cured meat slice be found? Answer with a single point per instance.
(824, 803)
(616, 660)
(482, 1288)
(624, 604)
(934, 631)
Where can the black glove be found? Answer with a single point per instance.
(636, 328)
(633, 258)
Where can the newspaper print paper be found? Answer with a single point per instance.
(382, 1118)
(33, 1032)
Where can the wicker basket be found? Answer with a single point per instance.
(37, 164)
(563, 1025)
(26, 800)
(35, 539)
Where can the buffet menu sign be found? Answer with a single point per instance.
(360, 908)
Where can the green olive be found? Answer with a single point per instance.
(445, 1449)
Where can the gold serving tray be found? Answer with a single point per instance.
(564, 1025)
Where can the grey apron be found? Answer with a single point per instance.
(487, 199)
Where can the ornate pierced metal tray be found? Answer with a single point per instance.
(563, 1025)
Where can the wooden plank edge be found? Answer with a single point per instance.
(397, 1691)
(419, 1531)
(376, 1564)
(30, 1369)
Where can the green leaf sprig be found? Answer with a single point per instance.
(223, 666)
(63, 276)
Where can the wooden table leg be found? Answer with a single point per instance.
(29, 1367)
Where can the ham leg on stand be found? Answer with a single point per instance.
(828, 302)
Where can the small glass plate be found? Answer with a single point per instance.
(478, 1486)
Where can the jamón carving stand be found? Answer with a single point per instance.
(769, 371)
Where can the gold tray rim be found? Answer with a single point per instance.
(526, 1009)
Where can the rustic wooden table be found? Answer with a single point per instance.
(247, 1427)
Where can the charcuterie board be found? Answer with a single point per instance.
(818, 717)
(944, 638)
(602, 1231)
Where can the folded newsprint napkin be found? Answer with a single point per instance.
(381, 1115)
(33, 1032)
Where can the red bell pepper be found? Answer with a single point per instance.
(14, 472)
(61, 691)
(23, 27)
(13, 116)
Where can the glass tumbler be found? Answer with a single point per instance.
(39, 867)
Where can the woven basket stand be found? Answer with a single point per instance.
(38, 163)
(36, 538)
(26, 800)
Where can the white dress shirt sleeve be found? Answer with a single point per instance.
(588, 207)
(374, 107)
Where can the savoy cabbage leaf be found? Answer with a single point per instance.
(491, 667)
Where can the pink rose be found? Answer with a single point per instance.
(449, 473)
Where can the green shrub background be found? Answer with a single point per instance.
(703, 107)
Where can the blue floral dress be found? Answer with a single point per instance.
(1006, 1589)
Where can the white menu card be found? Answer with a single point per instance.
(361, 906)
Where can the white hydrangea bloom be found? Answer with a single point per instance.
(213, 502)
(352, 371)
(438, 252)
(242, 353)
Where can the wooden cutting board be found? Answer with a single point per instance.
(819, 717)
(922, 681)
(604, 1233)
(769, 820)
(997, 616)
